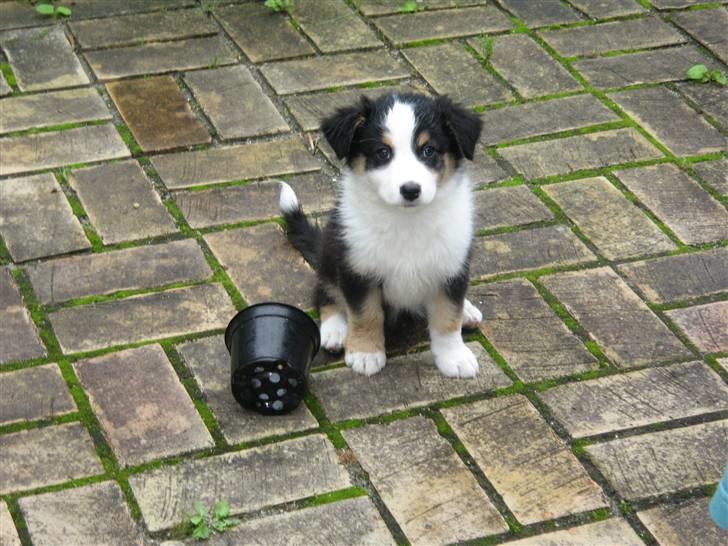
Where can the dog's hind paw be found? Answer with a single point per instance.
(471, 315)
(456, 361)
(366, 363)
(333, 333)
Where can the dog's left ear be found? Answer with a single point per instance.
(340, 128)
(463, 125)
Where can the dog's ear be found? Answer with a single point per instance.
(463, 125)
(339, 128)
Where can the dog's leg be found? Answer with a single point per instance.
(365, 340)
(333, 328)
(452, 357)
(471, 315)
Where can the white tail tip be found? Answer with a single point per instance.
(288, 201)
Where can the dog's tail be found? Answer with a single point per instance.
(303, 235)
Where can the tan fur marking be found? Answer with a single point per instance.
(445, 316)
(423, 138)
(366, 329)
(387, 139)
(358, 165)
(327, 311)
(448, 169)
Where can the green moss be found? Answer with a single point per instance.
(129, 139)
(565, 134)
(30, 425)
(600, 514)
(579, 449)
(9, 76)
(78, 210)
(54, 128)
(334, 496)
(37, 315)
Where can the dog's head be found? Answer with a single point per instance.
(405, 146)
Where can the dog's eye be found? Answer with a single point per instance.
(428, 151)
(384, 153)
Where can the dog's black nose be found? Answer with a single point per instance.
(410, 191)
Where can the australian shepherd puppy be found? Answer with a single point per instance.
(400, 236)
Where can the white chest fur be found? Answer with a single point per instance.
(412, 251)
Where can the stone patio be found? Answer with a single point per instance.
(139, 141)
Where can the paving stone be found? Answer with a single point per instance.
(74, 277)
(425, 485)
(48, 109)
(133, 29)
(545, 12)
(36, 220)
(615, 317)
(298, 76)
(58, 148)
(618, 35)
(451, 70)
(333, 26)
(15, 15)
(603, 533)
(8, 533)
(670, 4)
(637, 399)
(663, 462)
(263, 265)
(111, 64)
(241, 162)
(83, 9)
(385, 7)
(714, 173)
(263, 36)
(34, 393)
(599, 9)
(134, 319)
(651, 66)
(708, 28)
(46, 456)
(4, 87)
(484, 169)
(527, 66)
(679, 201)
(705, 325)
(675, 278)
(530, 467)
(686, 523)
(499, 207)
(209, 360)
(617, 227)
(664, 114)
(148, 414)
(62, 518)
(18, 337)
(309, 110)
(235, 103)
(249, 480)
(713, 99)
(522, 327)
(406, 381)
(550, 246)
(254, 201)
(352, 521)
(571, 154)
(42, 58)
(431, 25)
(541, 118)
(121, 202)
(157, 113)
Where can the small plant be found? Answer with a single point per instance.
(279, 5)
(202, 521)
(700, 73)
(409, 6)
(49, 10)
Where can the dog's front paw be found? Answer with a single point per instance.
(333, 333)
(366, 363)
(471, 315)
(457, 360)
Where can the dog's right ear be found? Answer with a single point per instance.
(339, 129)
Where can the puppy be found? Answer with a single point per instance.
(400, 235)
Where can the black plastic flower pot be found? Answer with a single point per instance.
(271, 347)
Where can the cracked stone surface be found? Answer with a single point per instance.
(141, 146)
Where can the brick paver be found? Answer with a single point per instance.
(141, 143)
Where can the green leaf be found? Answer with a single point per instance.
(45, 9)
(201, 509)
(222, 509)
(231, 522)
(218, 525)
(275, 5)
(719, 77)
(201, 532)
(698, 72)
(196, 520)
(63, 10)
(409, 6)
